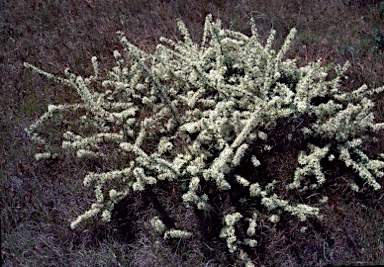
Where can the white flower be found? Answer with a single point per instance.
(354, 187)
(95, 209)
(158, 225)
(52, 108)
(255, 190)
(302, 211)
(273, 202)
(256, 163)
(302, 107)
(274, 218)
(323, 200)
(267, 147)
(263, 136)
(252, 225)
(242, 181)
(251, 242)
(173, 233)
(231, 219)
(194, 184)
(45, 155)
(239, 154)
(193, 170)
(106, 216)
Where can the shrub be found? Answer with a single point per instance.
(205, 118)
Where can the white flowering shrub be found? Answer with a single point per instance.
(205, 116)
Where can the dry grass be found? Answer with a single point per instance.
(39, 199)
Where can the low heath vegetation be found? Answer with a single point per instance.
(202, 117)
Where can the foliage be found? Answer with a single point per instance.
(194, 115)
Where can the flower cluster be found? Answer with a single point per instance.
(228, 232)
(158, 225)
(311, 166)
